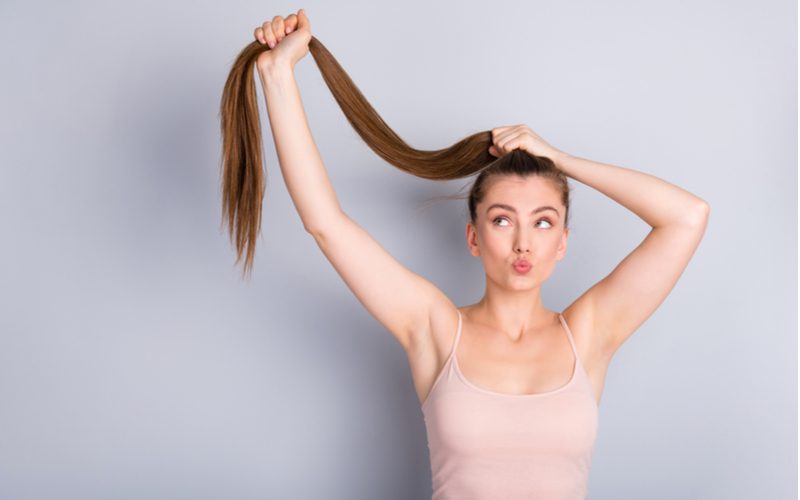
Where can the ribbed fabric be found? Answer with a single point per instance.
(486, 445)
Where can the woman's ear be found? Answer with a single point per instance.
(472, 240)
(562, 247)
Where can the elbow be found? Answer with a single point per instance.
(313, 231)
(699, 214)
(321, 225)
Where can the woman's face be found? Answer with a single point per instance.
(520, 227)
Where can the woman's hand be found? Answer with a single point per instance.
(506, 139)
(288, 39)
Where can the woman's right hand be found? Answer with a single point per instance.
(288, 39)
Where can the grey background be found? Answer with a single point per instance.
(134, 362)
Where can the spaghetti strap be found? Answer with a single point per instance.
(569, 336)
(458, 335)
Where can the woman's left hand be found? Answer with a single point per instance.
(512, 137)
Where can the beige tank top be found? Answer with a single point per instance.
(488, 445)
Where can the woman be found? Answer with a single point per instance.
(509, 389)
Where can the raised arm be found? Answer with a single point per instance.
(637, 286)
(626, 297)
(398, 298)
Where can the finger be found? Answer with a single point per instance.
(516, 142)
(291, 23)
(259, 34)
(498, 138)
(278, 28)
(497, 132)
(268, 35)
(510, 140)
(508, 133)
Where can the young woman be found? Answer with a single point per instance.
(509, 389)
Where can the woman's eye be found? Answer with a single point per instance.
(496, 220)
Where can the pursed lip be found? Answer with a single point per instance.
(522, 263)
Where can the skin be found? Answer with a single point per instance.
(286, 37)
(512, 302)
(419, 315)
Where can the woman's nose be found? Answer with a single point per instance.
(522, 246)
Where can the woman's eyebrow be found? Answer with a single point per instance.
(512, 209)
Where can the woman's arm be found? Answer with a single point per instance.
(623, 300)
(398, 298)
(300, 162)
(656, 201)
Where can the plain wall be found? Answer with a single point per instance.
(135, 363)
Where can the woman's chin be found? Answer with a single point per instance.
(522, 283)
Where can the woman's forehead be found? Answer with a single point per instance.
(523, 191)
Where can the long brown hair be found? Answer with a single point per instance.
(243, 179)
